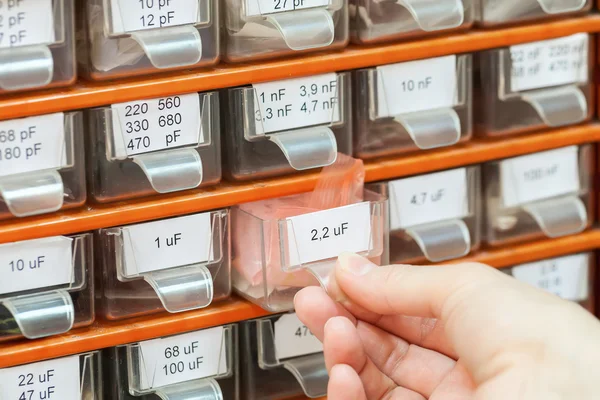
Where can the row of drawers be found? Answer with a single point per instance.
(268, 250)
(117, 38)
(136, 149)
(264, 359)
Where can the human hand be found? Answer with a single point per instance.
(455, 332)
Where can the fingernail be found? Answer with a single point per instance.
(355, 264)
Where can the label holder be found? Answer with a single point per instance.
(49, 311)
(428, 129)
(322, 269)
(561, 6)
(309, 370)
(181, 288)
(304, 148)
(556, 106)
(170, 170)
(435, 16)
(43, 191)
(303, 29)
(205, 388)
(28, 67)
(166, 47)
(560, 216)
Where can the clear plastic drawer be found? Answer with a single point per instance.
(412, 106)
(279, 127)
(77, 377)
(534, 86)
(497, 12)
(154, 146)
(259, 29)
(274, 257)
(175, 264)
(195, 365)
(37, 44)
(281, 359)
(123, 37)
(538, 195)
(47, 286)
(434, 217)
(373, 21)
(42, 167)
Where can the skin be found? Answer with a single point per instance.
(455, 332)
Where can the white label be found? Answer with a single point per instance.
(293, 339)
(416, 86)
(295, 103)
(428, 198)
(539, 176)
(35, 264)
(174, 242)
(181, 358)
(150, 125)
(566, 277)
(138, 15)
(32, 144)
(262, 7)
(26, 23)
(53, 379)
(326, 234)
(549, 63)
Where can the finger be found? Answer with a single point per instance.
(344, 383)
(401, 393)
(457, 385)
(413, 367)
(314, 308)
(342, 345)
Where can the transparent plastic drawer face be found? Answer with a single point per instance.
(126, 37)
(41, 164)
(176, 264)
(46, 287)
(538, 195)
(494, 12)
(568, 277)
(259, 29)
(280, 359)
(373, 21)
(37, 44)
(273, 258)
(280, 127)
(154, 146)
(534, 86)
(412, 106)
(195, 365)
(434, 217)
(77, 377)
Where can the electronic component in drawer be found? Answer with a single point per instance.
(373, 21)
(545, 194)
(123, 38)
(175, 264)
(47, 286)
(412, 106)
(195, 365)
(499, 12)
(281, 359)
(433, 217)
(161, 145)
(37, 44)
(569, 277)
(76, 377)
(277, 128)
(261, 29)
(534, 86)
(41, 164)
(284, 244)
